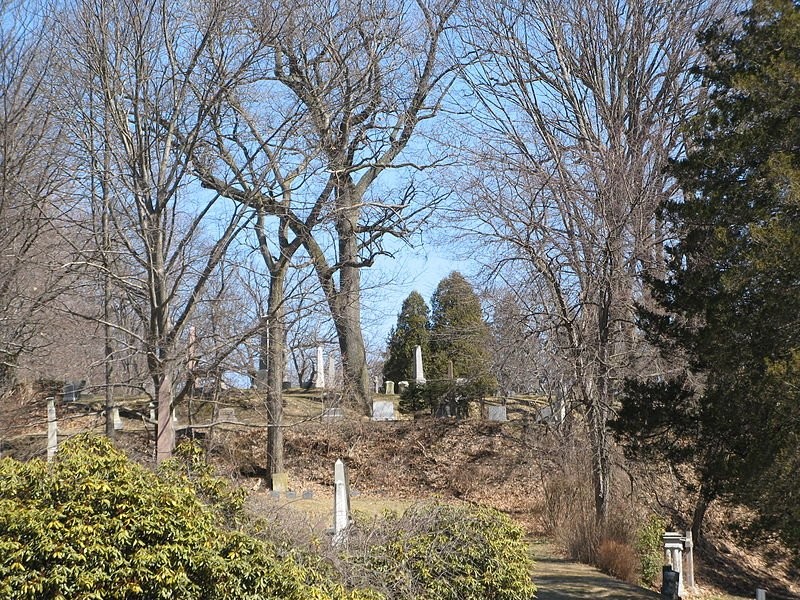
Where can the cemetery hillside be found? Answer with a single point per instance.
(399, 299)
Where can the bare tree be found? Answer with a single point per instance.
(146, 95)
(578, 105)
(33, 187)
(365, 76)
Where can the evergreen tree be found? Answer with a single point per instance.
(459, 333)
(411, 330)
(732, 288)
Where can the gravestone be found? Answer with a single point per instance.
(341, 503)
(227, 414)
(383, 410)
(761, 594)
(280, 482)
(419, 374)
(496, 412)
(291, 495)
(308, 495)
(329, 415)
(388, 388)
(52, 429)
(152, 410)
(376, 381)
(72, 390)
(402, 386)
(116, 419)
(319, 366)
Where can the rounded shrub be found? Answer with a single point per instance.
(446, 552)
(93, 524)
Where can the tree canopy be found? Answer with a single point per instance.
(459, 333)
(412, 330)
(727, 306)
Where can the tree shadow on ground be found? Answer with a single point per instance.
(722, 570)
(560, 579)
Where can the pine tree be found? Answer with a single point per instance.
(460, 334)
(411, 330)
(733, 286)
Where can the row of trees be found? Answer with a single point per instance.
(170, 168)
(159, 158)
(453, 331)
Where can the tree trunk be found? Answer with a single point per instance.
(275, 369)
(165, 432)
(346, 310)
(700, 508)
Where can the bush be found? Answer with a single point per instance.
(443, 552)
(617, 559)
(92, 524)
(649, 550)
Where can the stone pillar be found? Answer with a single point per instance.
(52, 429)
(419, 374)
(673, 552)
(319, 380)
(341, 503)
(688, 561)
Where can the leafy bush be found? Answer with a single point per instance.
(92, 524)
(443, 552)
(649, 549)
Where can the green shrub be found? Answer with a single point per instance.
(444, 552)
(92, 524)
(649, 549)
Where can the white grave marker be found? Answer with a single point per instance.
(419, 374)
(341, 503)
(52, 429)
(319, 380)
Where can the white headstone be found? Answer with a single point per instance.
(117, 421)
(402, 386)
(319, 380)
(152, 407)
(341, 503)
(761, 594)
(376, 380)
(419, 374)
(52, 429)
(383, 410)
(388, 387)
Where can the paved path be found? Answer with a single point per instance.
(559, 579)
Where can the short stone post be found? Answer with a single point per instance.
(52, 429)
(761, 594)
(341, 503)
